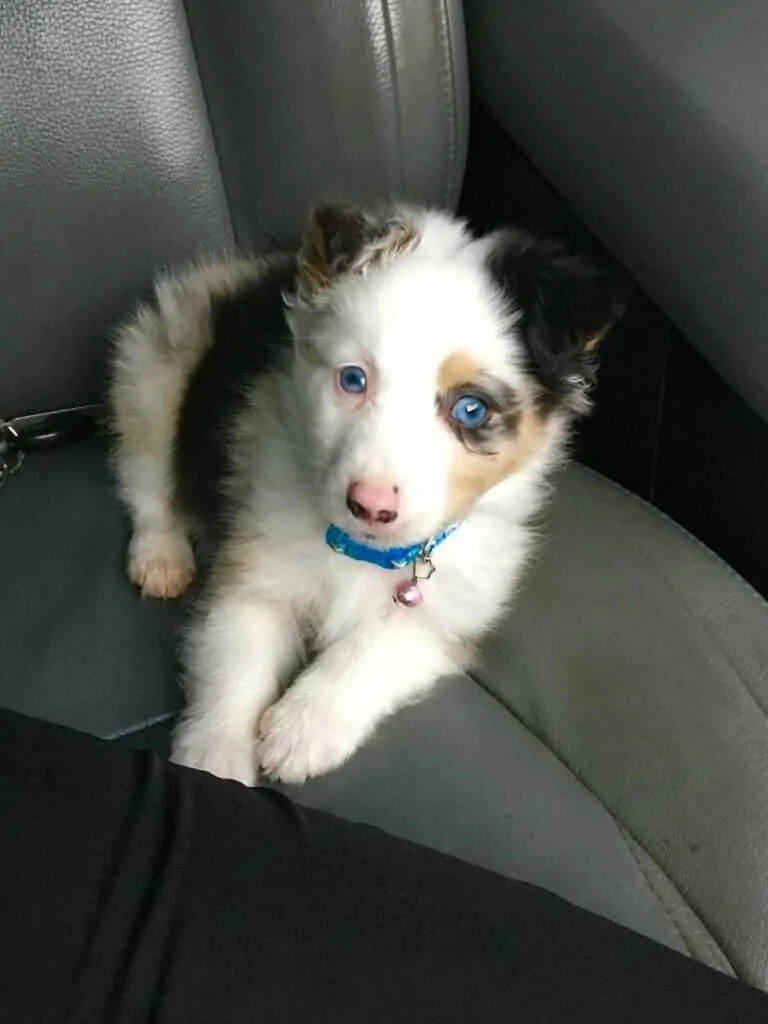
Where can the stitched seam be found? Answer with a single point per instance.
(166, 716)
(209, 119)
(698, 619)
(658, 425)
(661, 897)
(394, 74)
(698, 543)
(448, 85)
(701, 623)
(651, 887)
(616, 820)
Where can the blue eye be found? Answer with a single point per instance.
(353, 380)
(470, 412)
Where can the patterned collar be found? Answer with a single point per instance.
(387, 558)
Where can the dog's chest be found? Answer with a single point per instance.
(341, 594)
(333, 595)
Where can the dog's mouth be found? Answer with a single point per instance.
(405, 531)
(380, 539)
(384, 538)
(378, 535)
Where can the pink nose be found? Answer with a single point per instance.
(373, 501)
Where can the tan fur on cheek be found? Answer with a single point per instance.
(472, 474)
(457, 370)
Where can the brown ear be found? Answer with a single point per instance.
(343, 238)
(334, 240)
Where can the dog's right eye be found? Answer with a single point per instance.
(353, 380)
(470, 411)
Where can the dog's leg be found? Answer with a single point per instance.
(147, 391)
(235, 659)
(340, 698)
(160, 558)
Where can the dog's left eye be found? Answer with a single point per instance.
(469, 411)
(353, 380)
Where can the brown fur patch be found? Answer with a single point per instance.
(461, 374)
(402, 239)
(592, 342)
(474, 473)
(456, 371)
(343, 242)
(516, 433)
(311, 277)
(314, 260)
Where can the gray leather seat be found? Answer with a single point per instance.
(612, 744)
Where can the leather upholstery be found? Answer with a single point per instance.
(337, 96)
(76, 646)
(633, 654)
(641, 659)
(126, 143)
(107, 168)
(650, 119)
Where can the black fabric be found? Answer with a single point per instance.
(137, 892)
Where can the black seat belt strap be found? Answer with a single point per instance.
(40, 430)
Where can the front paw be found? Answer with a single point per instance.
(229, 754)
(162, 564)
(300, 737)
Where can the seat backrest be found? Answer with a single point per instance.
(138, 134)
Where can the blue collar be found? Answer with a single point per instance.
(387, 558)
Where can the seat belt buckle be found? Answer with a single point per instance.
(11, 455)
(40, 430)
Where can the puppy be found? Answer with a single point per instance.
(364, 431)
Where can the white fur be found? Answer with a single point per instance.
(277, 586)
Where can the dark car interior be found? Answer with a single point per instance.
(612, 745)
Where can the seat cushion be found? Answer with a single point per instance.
(610, 746)
(76, 644)
(641, 659)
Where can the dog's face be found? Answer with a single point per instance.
(435, 366)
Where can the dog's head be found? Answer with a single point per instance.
(435, 366)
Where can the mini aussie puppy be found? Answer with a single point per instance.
(364, 430)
